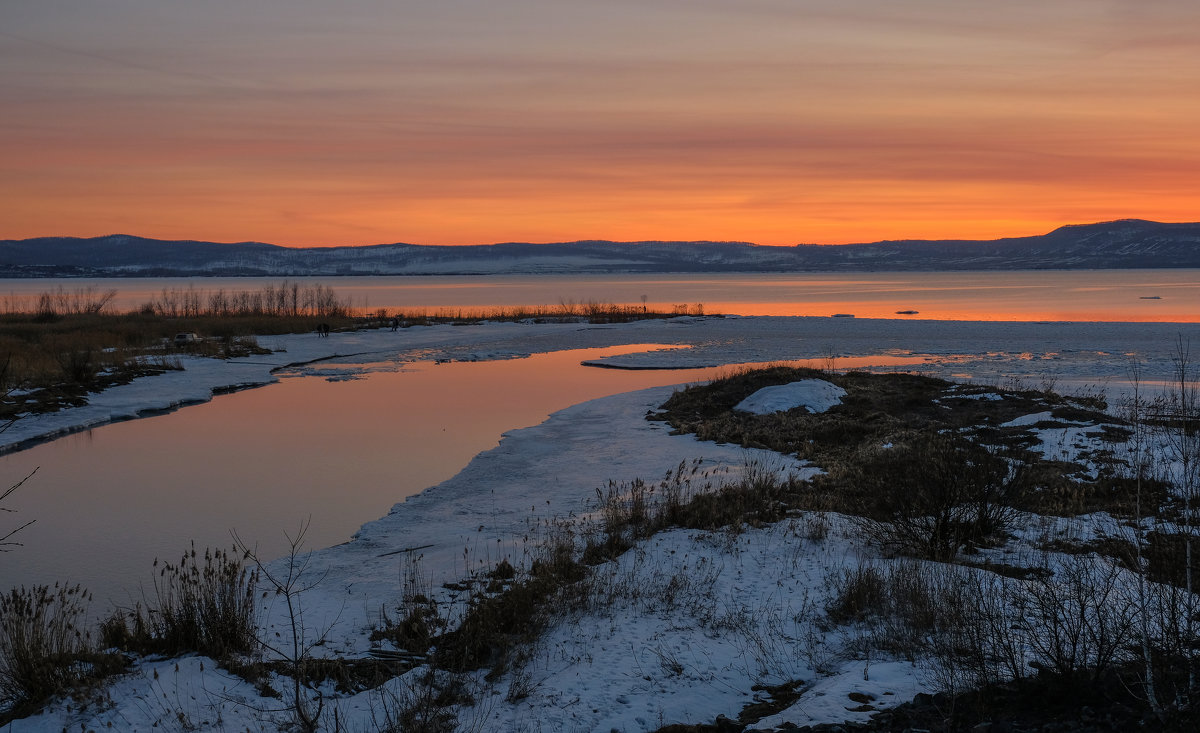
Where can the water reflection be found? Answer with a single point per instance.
(1041, 295)
(110, 500)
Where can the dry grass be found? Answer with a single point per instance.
(590, 312)
(44, 648)
(204, 603)
(61, 346)
(58, 347)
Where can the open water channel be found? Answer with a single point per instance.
(261, 462)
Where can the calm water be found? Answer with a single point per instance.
(1053, 295)
(110, 500)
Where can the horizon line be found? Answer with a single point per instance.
(609, 241)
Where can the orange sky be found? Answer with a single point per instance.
(304, 122)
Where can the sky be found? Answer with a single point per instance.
(312, 123)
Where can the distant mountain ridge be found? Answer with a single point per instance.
(1124, 244)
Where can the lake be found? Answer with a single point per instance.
(1044, 295)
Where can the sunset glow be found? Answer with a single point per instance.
(461, 122)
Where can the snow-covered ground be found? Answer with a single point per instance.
(694, 620)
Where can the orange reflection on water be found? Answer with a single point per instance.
(110, 500)
(1125, 312)
(1042, 295)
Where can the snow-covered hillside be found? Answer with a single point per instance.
(1110, 245)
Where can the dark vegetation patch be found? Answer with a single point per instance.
(768, 700)
(1037, 704)
(58, 347)
(906, 430)
(1163, 555)
(48, 363)
(348, 676)
(1166, 558)
(595, 312)
(416, 627)
(1006, 570)
(46, 650)
(501, 619)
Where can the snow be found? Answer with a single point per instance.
(1026, 420)
(814, 395)
(688, 621)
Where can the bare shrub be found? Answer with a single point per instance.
(980, 640)
(971, 626)
(498, 623)
(425, 702)
(1081, 621)
(815, 527)
(287, 299)
(418, 619)
(934, 494)
(53, 304)
(858, 594)
(289, 582)
(79, 364)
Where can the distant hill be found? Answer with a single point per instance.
(1129, 243)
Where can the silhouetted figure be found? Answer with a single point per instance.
(323, 330)
(395, 324)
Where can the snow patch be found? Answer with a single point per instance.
(814, 395)
(1026, 420)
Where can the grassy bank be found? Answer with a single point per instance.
(58, 347)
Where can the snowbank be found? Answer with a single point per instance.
(814, 395)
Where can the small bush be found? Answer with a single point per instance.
(1085, 618)
(933, 495)
(859, 594)
(916, 609)
(203, 604)
(415, 629)
(496, 624)
(78, 364)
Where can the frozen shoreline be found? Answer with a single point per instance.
(1074, 354)
(640, 665)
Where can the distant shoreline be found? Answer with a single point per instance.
(1123, 244)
